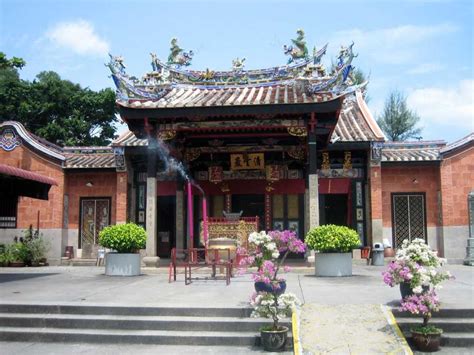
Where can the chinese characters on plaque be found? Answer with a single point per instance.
(247, 161)
(216, 174)
(273, 172)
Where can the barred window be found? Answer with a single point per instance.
(8, 212)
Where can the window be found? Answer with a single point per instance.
(408, 217)
(8, 212)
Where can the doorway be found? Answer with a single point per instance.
(94, 216)
(166, 221)
(333, 209)
(250, 205)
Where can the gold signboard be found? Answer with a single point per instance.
(251, 161)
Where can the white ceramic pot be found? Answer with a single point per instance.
(333, 264)
(122, 264)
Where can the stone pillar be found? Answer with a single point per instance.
(151, 259)
(121, 196)
(375, 183)
(312, 198)
(180, 216)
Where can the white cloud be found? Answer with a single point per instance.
(392, 45)
(425, 68)
(447, 107)
(78, 36)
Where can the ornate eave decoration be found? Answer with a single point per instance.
(192, 154)
(9, 140)
(298, 131)
(301, 66)
(167, 135)
(298, 153)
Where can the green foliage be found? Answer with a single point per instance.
(37, 249)
(17, 252)
(58, 110)
(14, 62)
(332, 239)
(6, 257)
(397, 121)
(124, 238)
(427, 329)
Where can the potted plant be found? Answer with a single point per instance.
(425, 337)
(268, 253)
(266, 250)
(333, 245)
(275, 307)
(18, 254)
(126, 240)
(416, 268)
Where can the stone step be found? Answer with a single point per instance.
(131, 311)
(216, 324)
(451, 339)
(447, 324)
(443, 313)
(78, 262)
(127, 336)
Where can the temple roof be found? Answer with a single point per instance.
(459, 144)
(190, 96)
(89, 157)
(412, 151)
(303, 80)
(68, 157)
(355, 124)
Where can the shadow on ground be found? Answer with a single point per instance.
(17, 277)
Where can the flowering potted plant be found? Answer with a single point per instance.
(415, 268)
(425, 337)
(265, 250)
(275, 307)
(270, 301)
(333, 245)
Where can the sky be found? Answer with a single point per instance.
(422, 48)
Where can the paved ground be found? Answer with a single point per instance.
(89, 285)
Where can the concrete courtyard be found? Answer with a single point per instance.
(89, 286)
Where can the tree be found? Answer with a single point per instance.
(58, 110)
(397, 121)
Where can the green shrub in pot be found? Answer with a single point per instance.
(330, 238)
(123, 238)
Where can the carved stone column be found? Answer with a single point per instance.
(151, 259)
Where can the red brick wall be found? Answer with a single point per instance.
(400, 179)
(457, 180)
(104, 185)
(51, 211)
(376, 192)
(121, 216)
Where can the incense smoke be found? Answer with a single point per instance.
(171, 164)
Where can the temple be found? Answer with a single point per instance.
(288, 147)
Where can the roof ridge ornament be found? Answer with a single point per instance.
(298, 50)
(178, 57)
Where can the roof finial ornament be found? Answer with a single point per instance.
(177, 56)
(116, 63)
(238, 64)
(298, 49)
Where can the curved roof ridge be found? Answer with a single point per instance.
(371, 122)
(36, 142)
(459, 143)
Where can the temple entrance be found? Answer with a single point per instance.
(95, 215)
(333, 209)
(166, 225)
(251, 206)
